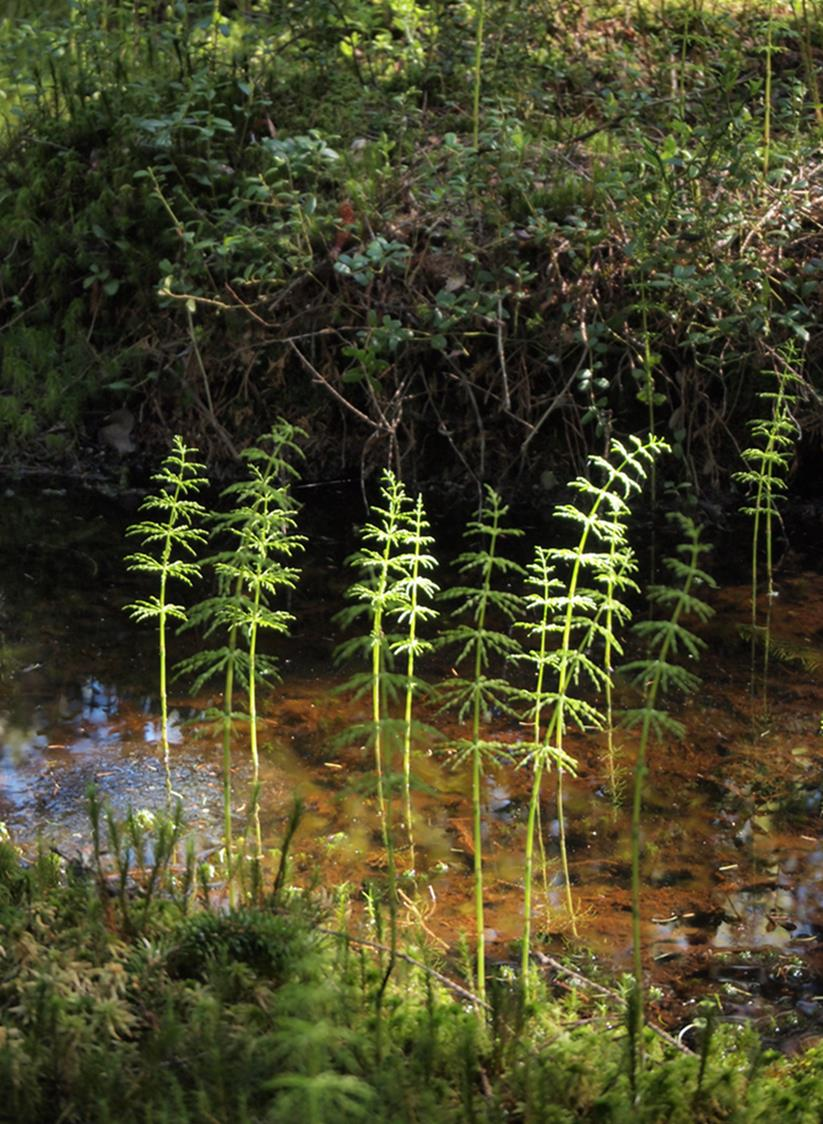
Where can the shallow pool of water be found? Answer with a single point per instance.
(733, 857)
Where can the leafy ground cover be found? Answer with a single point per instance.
(430, 232)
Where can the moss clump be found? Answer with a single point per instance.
(269, 944)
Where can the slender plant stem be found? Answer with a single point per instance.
(683, 46)
(755, 580)
(164, 706)
(477, 764)
(640, 768)
(533, 819)
(557, 725)
(480, 16)
(528, 871)
(255, 756)
(377, 658)
(767, 91)
(407, 743)
(477, 797)
(228, 703)
(564, 854)
(411, 613)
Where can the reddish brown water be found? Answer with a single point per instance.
(733, 857)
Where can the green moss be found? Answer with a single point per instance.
(270, 944)
(253, 1015)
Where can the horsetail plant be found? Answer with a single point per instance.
(260, 527)
(176, 535)
(476, 697)
(263, 527)
(542, 602)
(380, 592)
(656, 674)
(413, 590)
(383, 592)
(766, 477)
(577, 615)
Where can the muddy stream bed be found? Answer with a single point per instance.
(733, 860)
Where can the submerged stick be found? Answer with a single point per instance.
(562, 970)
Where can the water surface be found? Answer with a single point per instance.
(733, 860)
